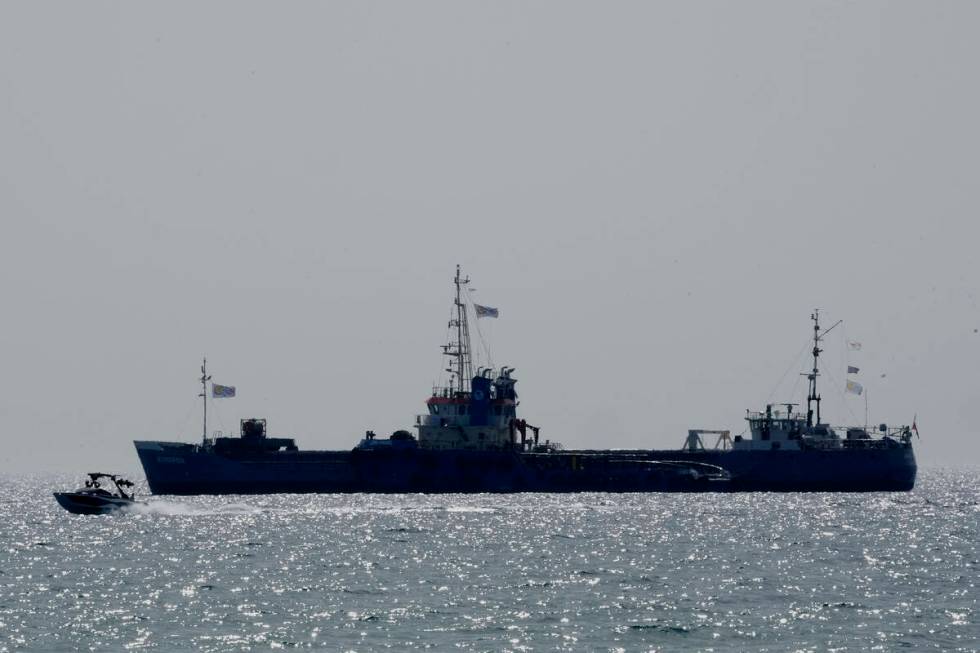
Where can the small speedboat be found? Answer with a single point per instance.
(103, 493)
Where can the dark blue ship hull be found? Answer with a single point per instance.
(177, 468)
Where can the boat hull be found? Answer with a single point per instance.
(80, 503)
(179, 468)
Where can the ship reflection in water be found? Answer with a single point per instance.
(471, 440)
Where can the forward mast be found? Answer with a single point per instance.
(205, 377)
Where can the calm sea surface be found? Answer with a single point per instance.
(521, 572)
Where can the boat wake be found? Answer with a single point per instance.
(181, 509)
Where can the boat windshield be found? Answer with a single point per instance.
(110, 485)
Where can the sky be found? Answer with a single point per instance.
(655, 195)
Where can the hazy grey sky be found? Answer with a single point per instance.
(654, 194)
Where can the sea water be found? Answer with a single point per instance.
(518, 572)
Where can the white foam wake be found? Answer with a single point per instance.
(182, 509)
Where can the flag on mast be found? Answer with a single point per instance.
(854, 345)
(854, 387)
(222, 391)
(485, 311)
(851, 369)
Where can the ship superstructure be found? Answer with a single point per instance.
(471, 412)
(781, 427)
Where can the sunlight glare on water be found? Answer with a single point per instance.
(517, 572)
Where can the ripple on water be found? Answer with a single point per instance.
(496, 572)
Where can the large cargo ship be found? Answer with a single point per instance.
(472, 440)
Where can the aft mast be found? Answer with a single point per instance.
(812, 396)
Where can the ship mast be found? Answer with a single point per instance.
(462, 370)
(812, 376)
(812, 396)
(204, 399)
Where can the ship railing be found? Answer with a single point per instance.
(895, 434)
(874, 431)
(776, 414)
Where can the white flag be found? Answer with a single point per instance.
(854, 387)
(854, 346)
